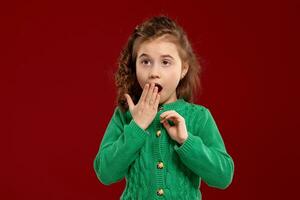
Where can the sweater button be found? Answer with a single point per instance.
(160, 192)
(158, 133)
(160, 165)
(160, 108)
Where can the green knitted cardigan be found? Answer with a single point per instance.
(129, 151)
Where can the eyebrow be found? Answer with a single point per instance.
(164, 56)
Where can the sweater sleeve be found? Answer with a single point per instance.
(119, 148)
(204, 153)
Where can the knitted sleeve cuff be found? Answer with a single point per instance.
(187, 146)
(136, 131)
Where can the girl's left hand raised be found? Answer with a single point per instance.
(178, 132)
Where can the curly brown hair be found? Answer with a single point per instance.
(125, 77)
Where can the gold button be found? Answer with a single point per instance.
(160, 192)
(160, 108)
(158, 133)
(160, 165)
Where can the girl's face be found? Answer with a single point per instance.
(158, 62)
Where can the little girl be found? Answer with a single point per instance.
(161, 142)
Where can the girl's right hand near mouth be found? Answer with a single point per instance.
(145, 110)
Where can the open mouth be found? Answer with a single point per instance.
(159, 87)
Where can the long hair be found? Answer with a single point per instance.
(125, 77)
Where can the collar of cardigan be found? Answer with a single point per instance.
(176, 105)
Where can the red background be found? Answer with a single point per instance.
(63, 95)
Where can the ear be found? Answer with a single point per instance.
(185, 68)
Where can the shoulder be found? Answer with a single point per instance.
(197, 113)
(196, 109)
(121, 116)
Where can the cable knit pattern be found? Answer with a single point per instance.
(127, 151)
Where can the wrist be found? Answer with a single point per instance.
(141, 125)
(182, 140)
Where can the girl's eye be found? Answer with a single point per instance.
(166, 62)
(145, 62)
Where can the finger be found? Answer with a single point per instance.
(166, 113)
(129, 101)
(157, 99)
(149, 93)
(164, 118)
(166, 124)
(173, 116)
(144, 93)
(153, 97)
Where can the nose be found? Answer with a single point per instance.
(154, 72)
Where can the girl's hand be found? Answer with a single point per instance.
(145, 110)
(178, 132)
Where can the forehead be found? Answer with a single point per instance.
(158, 46)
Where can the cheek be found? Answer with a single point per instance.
(174, 75)
(173, 79)
(141, 77)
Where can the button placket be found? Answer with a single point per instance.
(160, 168)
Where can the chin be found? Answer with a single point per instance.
(161, 100)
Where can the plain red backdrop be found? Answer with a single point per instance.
(63, 92)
